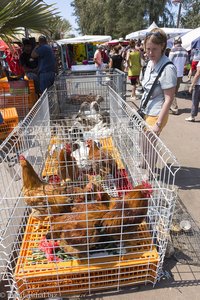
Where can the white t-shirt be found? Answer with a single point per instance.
(179, 56)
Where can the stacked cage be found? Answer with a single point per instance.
(87, 200)
(19, 94)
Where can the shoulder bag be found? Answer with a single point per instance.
(140, 111)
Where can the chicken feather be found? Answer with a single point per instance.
(43, 197)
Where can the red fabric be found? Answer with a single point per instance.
(194, 65)
(13, 62)
(3, 46)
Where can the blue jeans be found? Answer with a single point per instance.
(195, 100)
(46, 80)
(99, 74)
(35, 78)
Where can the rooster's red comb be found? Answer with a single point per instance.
(22, 157)
(148, 188)
(68, 148)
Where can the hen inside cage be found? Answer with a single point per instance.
(92, 211)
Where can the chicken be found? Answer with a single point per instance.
(86, 98)
(43, 197)
(68, 167)
(128, 212)
(93, 191)
(94, 107)
(102, 161)
(78, 232)
(88, 114)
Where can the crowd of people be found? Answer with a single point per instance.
(142, 61)
(35, 61)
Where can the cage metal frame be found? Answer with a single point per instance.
(32, 138)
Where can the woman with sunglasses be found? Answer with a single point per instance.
(157, 109)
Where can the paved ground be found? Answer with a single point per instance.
(182, 138)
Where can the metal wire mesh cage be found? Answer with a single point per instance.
(19, 94)
(86, 201)
(78, 88)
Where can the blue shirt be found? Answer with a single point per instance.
(168, 79)
(47, 62)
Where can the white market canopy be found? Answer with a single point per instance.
(189, 37)
(172, 32)
(140, 34)
(85, 39)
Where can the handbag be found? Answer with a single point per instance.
(141, 109)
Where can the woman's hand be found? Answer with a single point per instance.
(191, 88)
(156, 129)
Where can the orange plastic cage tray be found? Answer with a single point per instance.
(19, 93)
(11, 120)
(52, 164)
(76, 277)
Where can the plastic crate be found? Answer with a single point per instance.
(52, 164)
(20, 94)
(11, 120)
(43, 279)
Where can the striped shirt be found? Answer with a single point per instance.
(179, 56)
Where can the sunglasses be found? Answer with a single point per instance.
(157, 34)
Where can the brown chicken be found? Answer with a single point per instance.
(68, 167)
(78, 231)
(93, 191)
(102, 161)
(44, 198)
(128, 212)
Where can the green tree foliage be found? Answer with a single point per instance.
(58, 28)
(15, 14)
(158, 11)
(191, 17)
(119, 17)
(90, 16)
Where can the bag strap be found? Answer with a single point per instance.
(154, 84)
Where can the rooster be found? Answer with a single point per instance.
(68, 166)
(78, 232)
(128, 212)
(43, 197)
(102, 161)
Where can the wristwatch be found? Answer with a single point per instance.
(158, 124)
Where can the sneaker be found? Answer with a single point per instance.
(190, 119)
(174, 111)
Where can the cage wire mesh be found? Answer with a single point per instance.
(100, 217)
(16, 96)
(79, 87)
(185, 236)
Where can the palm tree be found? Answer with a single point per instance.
(58, 28)
(15, 14)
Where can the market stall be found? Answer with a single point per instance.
(77, 53)
(171, 32)
(190, 37)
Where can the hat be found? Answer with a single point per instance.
(178, 40)
(26, 42)
(100, 47)
(121, 39)
(42, 38)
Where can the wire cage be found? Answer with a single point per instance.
(77, 84)
(98, 216)
(19, 94)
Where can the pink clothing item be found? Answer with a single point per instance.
(97, 58)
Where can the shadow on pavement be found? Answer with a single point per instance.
(187, 178)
